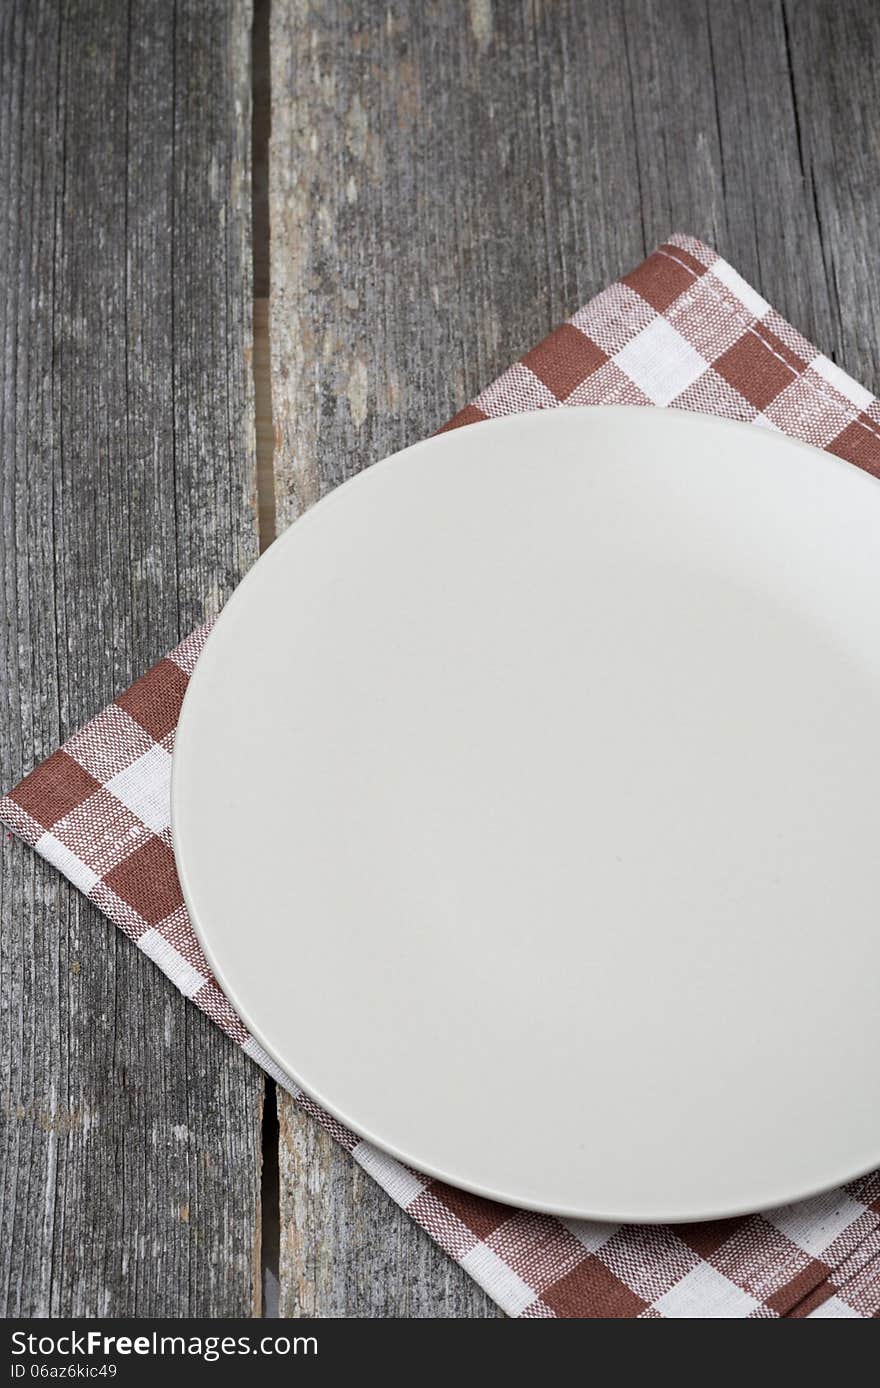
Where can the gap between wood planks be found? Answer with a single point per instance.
(261, 117)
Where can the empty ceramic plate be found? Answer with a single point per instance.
(526, 799)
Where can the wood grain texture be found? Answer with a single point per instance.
(449, 180)
(837, 105)
(347, 1249)
(130, 1138)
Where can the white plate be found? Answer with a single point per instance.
(526, 802)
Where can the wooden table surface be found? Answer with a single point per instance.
(446, 181)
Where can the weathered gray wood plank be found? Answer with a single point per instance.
(347, 1249)
(130, 1137)
(837, 104)
(449, 180)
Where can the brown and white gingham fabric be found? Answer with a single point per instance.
(682, 329)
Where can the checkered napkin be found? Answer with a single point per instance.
(682, 329)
